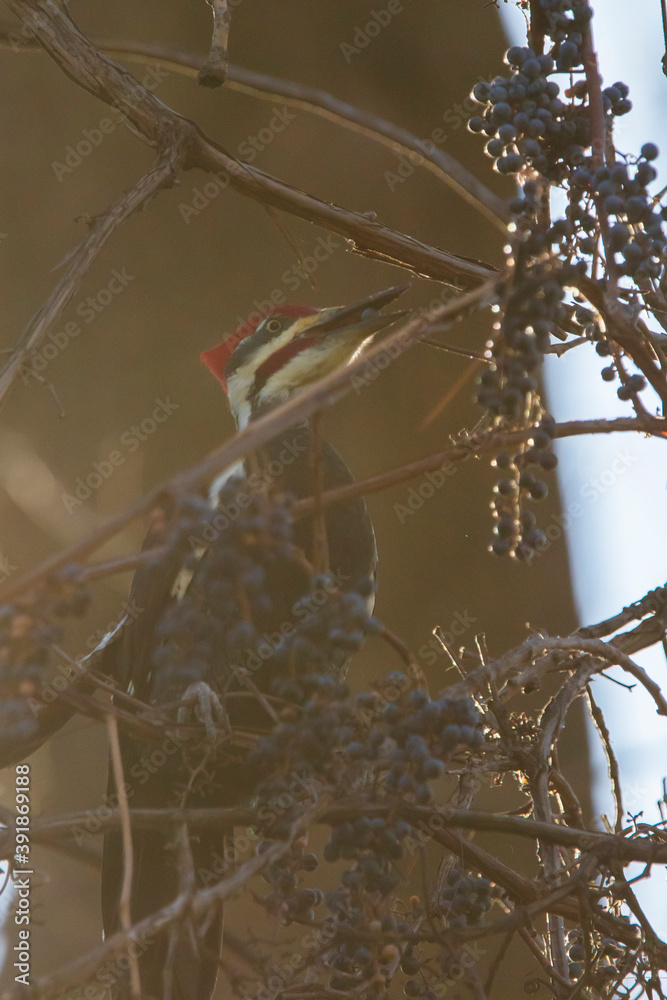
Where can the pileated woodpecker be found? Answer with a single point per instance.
(259, 366)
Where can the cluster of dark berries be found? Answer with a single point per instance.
(567, 22)
(423, 734)
(609, 958)
(368, 966)
(525, 117)
(308, 739)
(465, 899)
(536, 130)
(355, 966)
(375, 842)
(288, 899)
(412, 735)
(253, 605)
(329, 624)
(533, 309)
(329, 737)
(26, 649)
(618, 192)
(405, 737)
(515, 530)
(27, 637)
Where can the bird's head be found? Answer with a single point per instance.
(265, 362)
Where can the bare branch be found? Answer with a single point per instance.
(159, 125)
(603, 845)
(317, 102)
(80, 262)
(124, 905)
(214, 71)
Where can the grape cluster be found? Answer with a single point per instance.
(528, 123)
(423, 734)
(307, 742)
(225, 596)
(325, 636)
(27, 636)
(374, 843)
(26, 641)
(535, 130)
(288, 899)
(230, 617)
(609, 958)
(401, 736)
(370, 965)
(515, 530)
(465, 899)
(408, 743)
(355, 964)
(633, 231)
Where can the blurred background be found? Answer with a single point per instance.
(173, 281)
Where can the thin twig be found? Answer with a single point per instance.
(125, 901)
(534, 947)
(83, 967)
(157, 124)
(317, 102)
(498, 960)
(80, 262)
(612, 763)
(475, 445)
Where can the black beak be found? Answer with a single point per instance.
(363, 315)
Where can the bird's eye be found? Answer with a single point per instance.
(274, 326)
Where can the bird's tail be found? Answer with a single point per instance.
(181, 961)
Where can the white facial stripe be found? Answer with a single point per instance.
(239, 385)
(312, 363)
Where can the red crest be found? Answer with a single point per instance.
(216, 358)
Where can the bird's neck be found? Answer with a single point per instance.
(247, 412)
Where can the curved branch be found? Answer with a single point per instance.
(477, 444)
(604, 845)
(81, 260)
(322, 104)
(158, 125)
